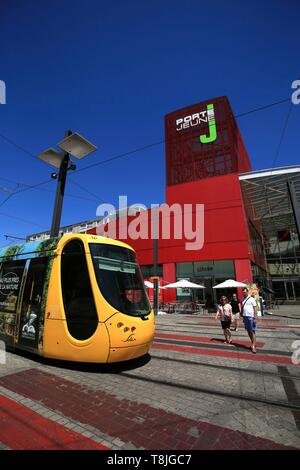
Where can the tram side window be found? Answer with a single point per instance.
(32, 302)
(80, 310)
(11, 273)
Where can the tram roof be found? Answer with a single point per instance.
(46, 247)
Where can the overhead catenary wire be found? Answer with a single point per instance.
(276, 155)
(14, 237)
(12, 142)
(282, 135)
(28, 186)
(20, 219)
(22, 190)
(86, 190)
(145, 147)
(122, 155)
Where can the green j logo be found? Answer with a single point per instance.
(206, 139)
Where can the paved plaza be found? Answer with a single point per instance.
(192, 392)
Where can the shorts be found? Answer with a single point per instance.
(225, 324)
(250, 323)
(235, 316)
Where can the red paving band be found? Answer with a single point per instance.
(231, 354)
(23, 429)
(202, 350)
(202, 339)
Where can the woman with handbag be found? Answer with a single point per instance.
(225, 313)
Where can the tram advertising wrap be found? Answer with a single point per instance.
(79, 297)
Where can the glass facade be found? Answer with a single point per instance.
(283, 258)
(148, 271)
(224, 268)
(205, 273)
(256, 240)
(260, 276)
(271, 200)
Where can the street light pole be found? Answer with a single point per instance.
(155, 278)
(155, 235)
(72, 144)
(60, 191)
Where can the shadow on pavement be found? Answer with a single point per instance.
(113, 368)
(236, 345)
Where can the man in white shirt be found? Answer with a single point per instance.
(249, 314)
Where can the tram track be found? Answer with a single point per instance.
(229, 368)
(218, 393)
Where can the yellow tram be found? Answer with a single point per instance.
(79, 298)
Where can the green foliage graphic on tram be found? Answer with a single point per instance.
(12, 267)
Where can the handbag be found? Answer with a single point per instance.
(243, 304)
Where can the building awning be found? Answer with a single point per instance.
(266, 196)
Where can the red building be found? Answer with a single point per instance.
(205, 155)
(250, 227)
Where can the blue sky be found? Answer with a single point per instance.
(112, 70)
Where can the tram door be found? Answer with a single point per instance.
(31, 310)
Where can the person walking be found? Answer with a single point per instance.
(261, 301)
(249, 314)
(236, 310)
(224, 312)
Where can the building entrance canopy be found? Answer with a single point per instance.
(272, 203)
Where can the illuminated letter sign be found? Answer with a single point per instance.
(196, 119)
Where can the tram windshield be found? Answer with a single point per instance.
(119, 279)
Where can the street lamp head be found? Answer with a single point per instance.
(77, 146)
(52, 157)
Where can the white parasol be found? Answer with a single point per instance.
(230, 283)
(150, 285)
(184, 284)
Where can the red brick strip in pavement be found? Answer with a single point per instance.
(140, 424)
(232, 354)
(291, 327)
(203, 339)
(23, 429)
(260, 325)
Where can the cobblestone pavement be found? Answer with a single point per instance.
(191, 392)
